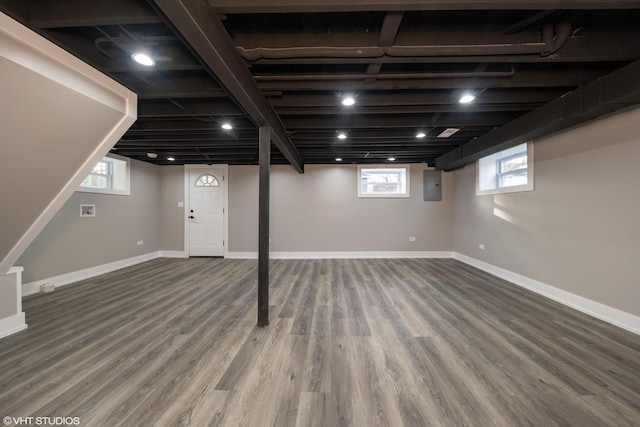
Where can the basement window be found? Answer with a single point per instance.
(383, 181)
(109, 176)
(507, 171)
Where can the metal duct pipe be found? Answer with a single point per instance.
(254, 54)
(310, 52)
(464, 50)
(391, 76)
(554, 37)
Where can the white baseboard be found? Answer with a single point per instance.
(12, 324)
(87, 273)
(241, 255)
(595, 309)
(343, 255)
(174, 254)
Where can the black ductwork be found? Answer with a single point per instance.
(616, 91)
(554, 36)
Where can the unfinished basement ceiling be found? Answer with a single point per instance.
(405, 63)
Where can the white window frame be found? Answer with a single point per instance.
(405, 194)
(488, 166)
(124, 178)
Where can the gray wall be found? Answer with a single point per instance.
(578, 230)
(172, 216)
(320, 211)
(70, 243)
(243, 208)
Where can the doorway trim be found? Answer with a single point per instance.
(225, 205)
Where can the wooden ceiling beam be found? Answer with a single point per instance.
(204, 31)
(188, 108)
(289, 6)
(521, 79)
(431, 98)
(82, 13)
(414, 121)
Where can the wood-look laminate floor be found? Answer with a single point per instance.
(351, 343)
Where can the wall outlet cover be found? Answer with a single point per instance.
(47, 287)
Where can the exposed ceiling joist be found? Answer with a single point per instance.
(187, 108)
(81, 13)
(403, 121)
(389, 134)
(406, 64)
(521, 79)
(207, 36)
(411, 109)
(189, 125)
(527, 22)
(615, 91)
(490, 96)
(286, 6)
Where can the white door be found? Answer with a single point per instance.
(206, 211)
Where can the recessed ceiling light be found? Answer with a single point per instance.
(467, 98)
(152, 155)
(338, 159)
(171, 159)
(448, 132)
(420, 134)
(392, 159)
(143, 59)
(348, 100)
(227, 126)
(342, 135)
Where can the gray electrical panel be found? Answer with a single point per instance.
(432, 185)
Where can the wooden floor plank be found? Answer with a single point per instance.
(416, 342)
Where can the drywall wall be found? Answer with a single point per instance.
(172, 215)
(70, 243)
(320, 211)
(58, 117)
(578, 230)
(243, 208)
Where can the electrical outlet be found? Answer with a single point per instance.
(481, 246)
(412, 239)
(140, 242)
(47, 287)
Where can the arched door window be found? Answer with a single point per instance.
(207, 180)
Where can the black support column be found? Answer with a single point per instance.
(263, 227)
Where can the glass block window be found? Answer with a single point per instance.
(207, 180)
